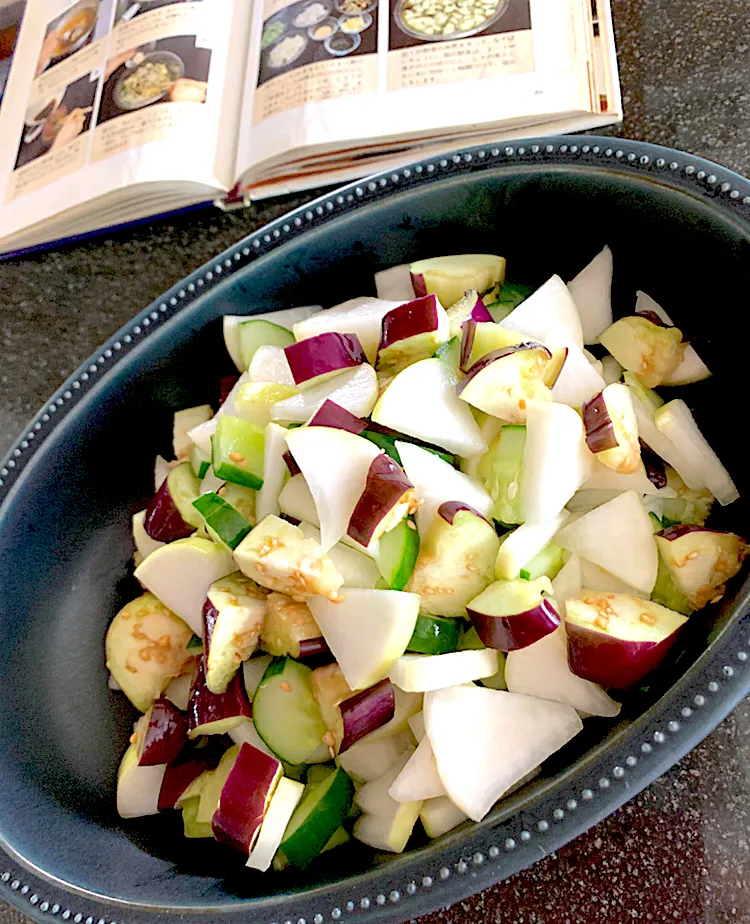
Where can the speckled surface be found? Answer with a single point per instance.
(679, 851)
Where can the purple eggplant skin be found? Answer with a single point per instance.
(163, 521)
(330, 414)
(419, 316)
(210, 615)
(481, 364)
(205, 707)
(324, 353)
(418, 284)
(479, 312)
(600, 431)
(244, 798)
(165, 736)
(315, 652)
(188, 766)
(448, 510)
(678, 530)
(613, 662)
(293, 520)
(226, 384)
(468, 333)
(386, 484)
(509, 633)
(366, 711)
(294, 469)
(653, 317)
(654, 465)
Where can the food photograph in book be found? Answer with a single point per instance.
(57, 119)
(316, 30)
(69, 32)
(129, 9)
(172, 70)
(416, 22)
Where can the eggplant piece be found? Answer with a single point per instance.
(365, 712)
(502, 382)
(232, 618)
(288, 624)
(612, 429)
(411, 332)
(276, 555)
(456, 562)
(616, 639)
(330, 414)
(147, 646)
(451, 277)
(169, 515)
(245, 798)
(470, 307)
(509, 615)
(164, 734)
(651, 350)
(388, 497)
(214, 714)
(317, 359)
(701, 560)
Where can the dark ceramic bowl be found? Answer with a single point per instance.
(679, 228)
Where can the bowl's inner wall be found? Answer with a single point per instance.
(65, 543)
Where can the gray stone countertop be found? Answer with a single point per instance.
(679, 851)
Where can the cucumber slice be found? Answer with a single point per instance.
(200, 461)
(435, 634)
(450, 353)
(387, 442)
(242, 499)
(237, 451)
(340, 836)
(547, 562)
(318, 772)
(191, 826)
(224, 524)
(398, 553)
(319, 815)
(511, 295)
(286, 716)
(184, 488)
(500, 471)
(665, 592)
(256, 333)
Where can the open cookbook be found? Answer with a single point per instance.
(118, 110)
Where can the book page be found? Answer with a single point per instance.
(107, 93)
(413, 69)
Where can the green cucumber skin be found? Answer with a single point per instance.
(258, 332)
(399, 549)
(222, 519)
(388, 444)
(184, 488)
(435, 635)
(234, 435)
(282, 731)
(331, 803)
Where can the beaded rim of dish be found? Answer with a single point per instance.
(720, 184)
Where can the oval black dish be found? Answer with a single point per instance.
(679, 228)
